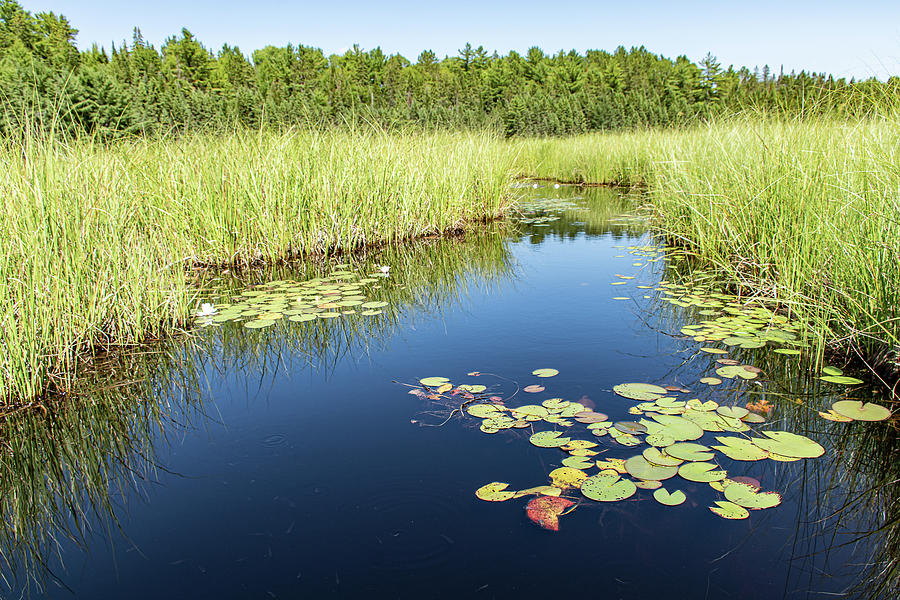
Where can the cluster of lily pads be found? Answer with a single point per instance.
(542, 211)
(738, 324)
(670, 431)
(342, 292)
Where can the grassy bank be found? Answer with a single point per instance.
(807, 212)
(96, 240)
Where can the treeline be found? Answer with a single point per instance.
(44, 78)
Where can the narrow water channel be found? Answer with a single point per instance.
(292, 461)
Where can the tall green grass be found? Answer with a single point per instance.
(805, 212)
(97, 240)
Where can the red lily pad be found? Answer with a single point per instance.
(545, 511)
(533, 389)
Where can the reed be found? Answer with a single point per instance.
(804, 212)
(97, 239)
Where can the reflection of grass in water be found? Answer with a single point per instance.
(60, 472)
(805, 210)
(850, 496)
(599, 211)
(425, 277)
(96, 237)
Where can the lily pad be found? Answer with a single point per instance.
(701, 472)
(664, 497)
(630, 427)
(711, 380)
(750, 497)
(545, 372)
(433, 381)
(659, 440)
(607, 486)
(533, 389)
(788, 444)
(690, 452)
(493, 492)
(578, 462)
(641, 468)
(373, 305)
(639, 391)
(740, 449)
(678, 427)
(734, 412)
(549, 439)
(545, 511)
(530, 410)
(861, 412)
(655, 457)
(833, 416)
(259, 323)
(483, 410)
(729, 510)
(841, 379)
(567, 477)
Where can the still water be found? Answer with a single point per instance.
(292, 461)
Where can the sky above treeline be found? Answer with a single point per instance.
(845, 38)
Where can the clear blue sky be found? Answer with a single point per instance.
(847, 38)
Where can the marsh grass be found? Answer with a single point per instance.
(804, 212)
(97, 239)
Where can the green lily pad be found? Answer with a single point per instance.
(578, 462)
(841, 379)
(258, 323)
(301, 318)
(545, 372)
(659, 440)
(729, 510)
(434, 381)
(788, 351)
(655, 457)
(789, 444)
(701, 472)
(371, 313)
(690, 452)
(731, 372)
(530, 410)
(549, 439)
(664, 497)
(861, 412)
(483, 411)
(607, 486)
(711, 380)
(678, 427)
(630, 427)
(371, 305)
(641, 468)
(734, 412)
(748, 496)
(639, 391)
(740, 448)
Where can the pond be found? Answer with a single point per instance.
(292, 460)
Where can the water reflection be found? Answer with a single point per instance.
(311, 480)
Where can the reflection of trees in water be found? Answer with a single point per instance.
(62, 474)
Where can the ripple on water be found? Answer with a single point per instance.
(275, 440)
(411, 525)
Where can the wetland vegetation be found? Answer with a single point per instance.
(187, 233)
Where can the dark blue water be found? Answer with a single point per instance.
(316, 478)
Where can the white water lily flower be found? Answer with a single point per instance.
(206, 309)
(555, 186)
(385, 269)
